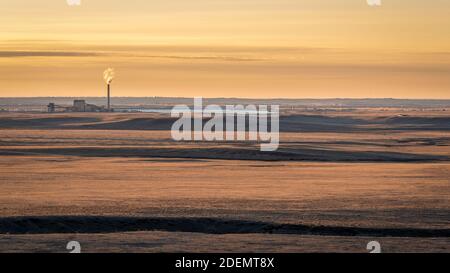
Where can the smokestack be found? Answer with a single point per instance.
(109, 98)
(108, 75)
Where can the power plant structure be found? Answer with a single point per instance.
(108, 76)
(78, 106)
(82, 106)
(109, 98)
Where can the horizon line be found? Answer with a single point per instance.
(239, 98)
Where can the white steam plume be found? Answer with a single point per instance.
(108, 75)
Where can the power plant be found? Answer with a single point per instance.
(78, 106)
(109, 98)
(82, 106)
(108, 75)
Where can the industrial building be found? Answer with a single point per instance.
(78, 106)
(82, 106)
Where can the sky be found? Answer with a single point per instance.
(226, 48)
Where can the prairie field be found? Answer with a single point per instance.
(117, 182)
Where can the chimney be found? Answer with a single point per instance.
(109, 99)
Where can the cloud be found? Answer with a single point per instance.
(16, 54)
(222, 58)
(22, 54)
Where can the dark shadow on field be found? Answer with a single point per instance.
(290, 123)
(111, 224)
(232, 153)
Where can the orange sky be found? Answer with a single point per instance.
(226, 48)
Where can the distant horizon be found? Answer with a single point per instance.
(237, 98)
